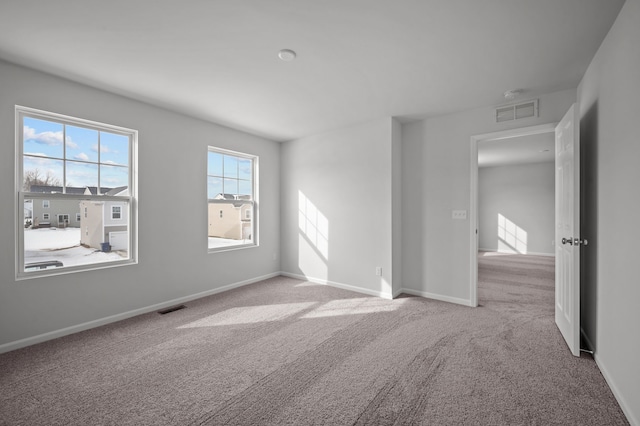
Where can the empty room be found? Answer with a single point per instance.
(319, 213)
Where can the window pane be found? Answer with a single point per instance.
(114, 149)
(113, 177)
(231, 186)
(230, 166)
(214, 187)
(214, 164)
(81, 175)
(230, 224)
(244, 188)
(244, 168)
(42, 174)
(82, 144)
(42, 138)
(70, 237)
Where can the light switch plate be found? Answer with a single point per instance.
(459, 214)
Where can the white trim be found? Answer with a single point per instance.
(624, 405)
(473, 209)
(339, 285)
(118, 317)
(427, 295)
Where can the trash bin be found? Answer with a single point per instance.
(105, 247)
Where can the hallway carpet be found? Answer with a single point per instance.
(289, 352)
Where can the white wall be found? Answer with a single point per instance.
(346, 175)
(608, 98)
(524, 195)
(436, 180)
(173, 259)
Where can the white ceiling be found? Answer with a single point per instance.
(538, 148)
(358, 60)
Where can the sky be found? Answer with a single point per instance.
(228, 174)
(90, 154)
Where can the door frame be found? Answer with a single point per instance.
(473, 209)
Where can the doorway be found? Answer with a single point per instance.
(510, 236)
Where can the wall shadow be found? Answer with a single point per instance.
(589, 224)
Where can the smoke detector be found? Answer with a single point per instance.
(512, 94)
(287, 55)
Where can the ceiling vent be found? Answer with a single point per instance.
(516, 112)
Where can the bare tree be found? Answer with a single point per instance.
(35, 177)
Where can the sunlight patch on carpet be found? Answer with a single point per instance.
(250, 315)
(363, 305)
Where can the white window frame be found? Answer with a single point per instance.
(129, 200)
(255, 204)
(46, 204)
(45, 216)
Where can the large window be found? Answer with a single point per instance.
(73, 168)
(232, 200)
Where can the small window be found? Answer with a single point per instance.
(116, 212)
(232, 199)
(45, 204)
(45, 216)
(78, 217)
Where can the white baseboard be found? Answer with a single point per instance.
(395, 294)
(339, 285)
(6, 347)
(439, 297)
(533, 253)
(624, 405)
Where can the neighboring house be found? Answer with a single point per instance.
(53, 212)
(105, 221)
(230, 217)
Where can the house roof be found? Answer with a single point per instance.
(116, 191)
(223, 196)
(79, 190)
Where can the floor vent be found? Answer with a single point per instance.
(171, 309)
(516, 112)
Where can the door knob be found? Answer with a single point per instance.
(567, 241)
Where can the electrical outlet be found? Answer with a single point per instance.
(459, 214)
(378, 271)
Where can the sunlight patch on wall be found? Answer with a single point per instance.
(511, 238)
(363, 305)
(313, 225)
(250, 315)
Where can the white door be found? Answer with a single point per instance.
(568, 239)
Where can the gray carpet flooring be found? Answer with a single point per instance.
(288, 352)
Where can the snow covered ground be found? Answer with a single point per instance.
(215, 242)
(63, 244)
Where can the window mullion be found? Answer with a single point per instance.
(64, 158)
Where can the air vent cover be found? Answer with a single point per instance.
(516, 112)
